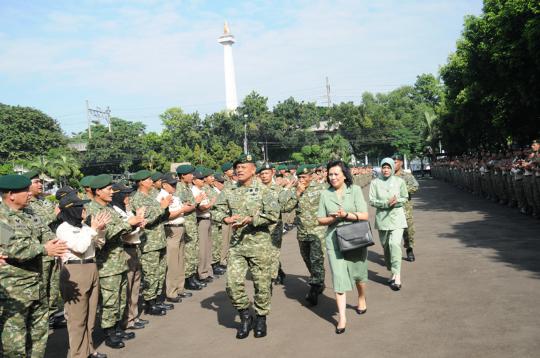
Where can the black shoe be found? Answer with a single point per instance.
(359, 311)
(112, 340)
(410, 255)
(143, 321)
(57, 322)
(191, 285)
(152, 309)
(136, 325)
(199, 282)
(395, 287)
(313, 295)
(176, 299)
(97, 355)
(166, 306)
(185, 294)
(340, 330)
(218, 270)
(246, 322)
(123, 335)
(207, 280)
(260, 327)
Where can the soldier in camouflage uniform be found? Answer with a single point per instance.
(226, 231)
(212, 192)
(23, 301)
(310, 234)
(251, 208)
(87, 191)
(287, 202)
(111, 261)
(183, 191)
(153, 241)
(412, 187)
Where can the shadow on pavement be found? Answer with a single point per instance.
(514, 237)
(221, 304)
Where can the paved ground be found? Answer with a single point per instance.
(473, 292)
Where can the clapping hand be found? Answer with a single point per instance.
(55, 247)
(245, 221)
(166, 201)
(3, 259)
(100, 220)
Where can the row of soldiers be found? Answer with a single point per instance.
(509, 178)
(172, 232)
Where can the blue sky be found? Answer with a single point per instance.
(141, 57)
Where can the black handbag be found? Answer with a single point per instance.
(354, 236)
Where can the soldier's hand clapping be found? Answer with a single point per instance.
(245, 221)
(166, 201)
(3, 259)
(231, 219)
(100, 220)
(55, 248)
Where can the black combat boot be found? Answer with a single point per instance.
(260, 326)
(151, 308)
(246, 322)
(191, 285)
(313, 295)
(160, 302)
(410, 255)
(112, 340)
(123, 335)
(198, 282)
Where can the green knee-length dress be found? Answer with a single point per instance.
(352, 267)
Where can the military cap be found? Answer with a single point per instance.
(219, 177)
(63, 191)
(244, 158)
(264, 166)
(85, 181)
(226, 166)
(291, 166)
(304, 169)
(157, 176)
(121, 187)
(209, 172)
(31, 174)
(397, 156)
(71, 200)
(169, 178)
(141, 175)
(185, 169)
(535, 141)
(199, 174)
(281, 167)
(14, 182)
(100, 181)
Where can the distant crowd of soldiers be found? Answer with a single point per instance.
(156, 238)
(509, 178)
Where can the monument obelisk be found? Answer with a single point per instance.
(231, 101)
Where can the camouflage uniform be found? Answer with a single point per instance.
(412, 187)
(23, 299)
(251, 245)
(111, 261)
(44, 209)
(183, 191)
(310, 234)
(153, 244)
(216, 234)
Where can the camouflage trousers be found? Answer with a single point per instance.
(154, 268)
(277, 238)
(217, 243)
(51, 282)
(520, 194)
(24, 328)
(259, 266)
(528, 188)
(226, 233)
(313, 256)
(113, 299)
(408, 234)
(191, 250)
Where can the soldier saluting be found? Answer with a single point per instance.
(250, 207)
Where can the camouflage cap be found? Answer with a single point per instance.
(244, 158)
(85, 181)
(14, 182)
(157, 176)
(141, 175)
(101, 181)
(185, 169)
(226, 166)
(32, 174)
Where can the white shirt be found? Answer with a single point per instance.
(130, 237)
(78, 240)
(196, 191)
(176, 204)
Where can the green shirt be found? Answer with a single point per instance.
(380, 191)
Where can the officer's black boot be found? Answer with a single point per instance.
(313, 295)
(191, 285)
(246, 322)
(160, 302)
(112, 340)
(123, 335)
(410, 255)
(260, 326)
(281, 275)
(151, 308)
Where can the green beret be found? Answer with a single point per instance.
(14, 182)
(31, 174)
(219, 177)
(304, 169)
(101, 181)
(397, 156)
(199, 174)
(209, 172)
(281, 167)
(85, 181)
(169, 178)
(291, 166)
(141, 175)
(264, 166)
(226, 166)
(185, 169)
(157, 176)
(244, 158)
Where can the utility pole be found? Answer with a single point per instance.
(97, 114)
(245, 134)
(88, 118)
(329, 101)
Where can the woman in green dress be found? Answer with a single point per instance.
(387, 194)
(344, 202)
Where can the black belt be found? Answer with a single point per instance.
(131, 246)
(84, 261)
(174, 225)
